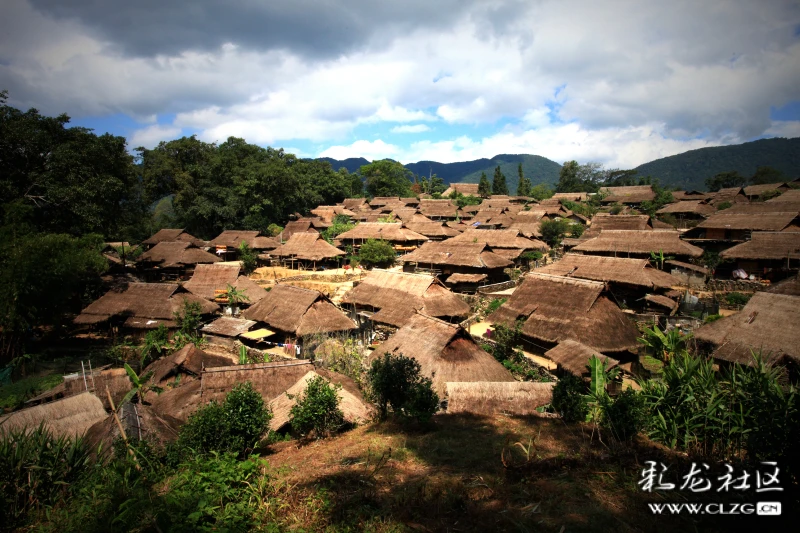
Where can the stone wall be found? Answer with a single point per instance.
(734, 285)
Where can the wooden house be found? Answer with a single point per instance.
(447, 257)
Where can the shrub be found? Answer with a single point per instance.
(235, 425)
(626, 415)
(554, 230)
(712, 318)
(155, 342)
(616, 209)
(273, 230)
(375, 252)
(532, 256)
(724, 205)
(317, 409)
(494, 305)
(737, 298)
(13, 395)
(568, 398)
(576, 230)
(248, 258)
(395, 382)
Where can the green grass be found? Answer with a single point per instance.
(14, 395)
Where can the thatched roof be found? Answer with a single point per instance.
(789, 286)
(757, 190)
(571, 196)
(354, 407)
(792, 195)
(298, 311)
(209, 278)
(467, 189)
(115, 379)
(557, 308)
(171, 235)
(380, 201)
(697, 207)
(234, 238)
(145, 304)
(639, 242)
(763, 207)
(70, 416)
(498, 397)
(753, 222)
(177, 253)
(354, 203)
(269, 379)
(179, 402)
(467, 254)
(308, 247)
(431, 229)
(766, 245)
(663, 301)
(303, 225)
(616, 269)
(392, 232)
(765, 324)
(466, 278)
(444, 351)
(573, 357)
(680, 196)
(605, 221)
(631, 194)
(500, 238)
(687, 266)
(227, 326)
(398, 295)
(189, 359)
(140, 422)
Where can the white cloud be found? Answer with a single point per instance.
(152, 135)
(784, 128)
(408, 128)
(371, 150)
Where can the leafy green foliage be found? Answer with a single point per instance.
(724, 205)
(139, 385)
(524, 184)
(553, 231)
(463, 201)
(387, 178)
(375, 252)
(576, 230)
(235, 425)
(616, 209)
(499, 185)
(664, 345)
(767, 174)
(725, 180)
(535, 255)
(434, 185)
(155, 343)
(626, 415)
(395, 383)
(317, 409)
(569, 398)
(36, 470)
(495, 304)
(663, 197)
(580, 178)
(337, 228)
(484, 187)
(541, 192)
(737, 298)
(248, 258)
(273, 230)
(13, 395)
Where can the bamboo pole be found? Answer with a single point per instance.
(122, 429)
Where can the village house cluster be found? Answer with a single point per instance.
(308, 301)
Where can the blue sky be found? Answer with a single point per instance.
(620, 82)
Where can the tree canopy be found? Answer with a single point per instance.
(484, 188)
(499, 185)
(387, 178)
(524, 184)
(725, 180)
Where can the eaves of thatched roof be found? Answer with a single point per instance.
(70, 417)
(694, 207)
(298, 311)
(234, 239)
(632, 194)
(307, 247)
(172, 235)
(605, 221)
(639, 242)
(490, 398)
(574, 357)
(474, 255)
(500, 238)
(766, 245)
(177, 253)
(392, 232)
(615, 269)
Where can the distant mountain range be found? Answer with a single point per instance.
(688, 170)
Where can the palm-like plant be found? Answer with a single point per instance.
(664, 345)
(235, 297)
(140, 385)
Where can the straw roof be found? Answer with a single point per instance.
(500, 238)
(571, 196)
(639, 242)
(680, 196)
(269, 379)
(171, 235)
(557, 308)
(177, 253)
(754, 222)
(789, 286)
(139, 421)
(792, 195)
(392, 232)
(298, 311)
(663, 301)
(234, 238)
(444, 351)
(574, 357)
(308, 247)
(731, 194)
(179, 402)
(209, 278)
(354, 204)
(764, 324)
(438, 208)
(632, 194)
(763, 207)
(616, 269)
(149, 304)
(757, 190)
(605, 221)
(766, 245)
(519, 398)
(69, 417)
(227, 326)
(466, 254)
(302, 225)
(697, 207)
(115, 379)
(189, 359)
(467, 189)
(466, 278)
(431, 229)
(354, 407)
(379, 201)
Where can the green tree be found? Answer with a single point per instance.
(248, 258)
(387, 178)
(395, 383)
(580, 178)
(499, 185)
(725, 180)
(541, 191)
(569, 398)
(375, 252)
(554, 230)
(317, 409)
(766, 174)
(484, 187)
(524, 185)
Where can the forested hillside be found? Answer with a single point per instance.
(689, 170)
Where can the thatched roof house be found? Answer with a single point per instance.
(401, 295)
(354, 407)
(571, 196)
(754, 191)
(792, 195)
(467, 189)
(605, 221)
(641, 243)
(70, 417)
(142, 306)
(269, 379)
(632, 194)
(298, 312)
(764, 245)
(234, 238)
(393, 232)
(380, 201)
(501, 239)
(444, 351)
(680, 196)
(789, 286)
(764, 324)
(355, 204)
(173, 235)
(693, 208)
(764, 221)
(189, 360)
(210, 278)
(732, 195)
(438, 209)
(557, 308)
(636, 272)
(114, 379)
(175, 254)
(447, 258)
(309, 247)
(573, 357)
(225, 329)
(432, 230)
(489, 398)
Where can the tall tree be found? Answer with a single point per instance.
(387, 178)
(764, 175)
(484, 188)
(725, 180)
(580, 178)
(499, 185)
(524, 184)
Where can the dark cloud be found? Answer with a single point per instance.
(313, 29)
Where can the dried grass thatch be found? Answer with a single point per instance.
(688, 266)
(691, 207)
(573, 357)
(605, 221)
(616, 269)
(757, 190)
(71, 416)
(354, 407)
(625, 242)
(789, 286)
(766, 245)
(732, 195)
(501, 238)
(176, 254)
(307, 247)
(438, 208)
(557, 308)
(467, 189)
(792, 195)
(432, 230)
(209, 278)
(445, 352)
(391, 232)
(227, 326)
(234, 238)
(172, 235)
(269, 379)
(663, 301)
(188, 360)
(141, 422)
(493, 398)
(299, 312)
(764, 325)
(474, 255)
(631, 194)
(745, 221)
(178, 402)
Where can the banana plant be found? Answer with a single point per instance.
(140, 385)
(600, 377)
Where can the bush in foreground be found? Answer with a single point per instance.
(317, 409)
(395, 382)
(568, 398)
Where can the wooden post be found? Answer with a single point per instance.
(121, 429)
